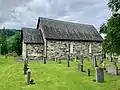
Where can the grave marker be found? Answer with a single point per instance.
(80, 67)
(28, 76)
(99, 74)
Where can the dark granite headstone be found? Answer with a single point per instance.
(99, 74)
(88, 71)
(68, 61)
(44, 60)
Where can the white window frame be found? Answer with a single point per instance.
(71, 47)
(90, 48)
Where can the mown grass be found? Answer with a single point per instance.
(52, 76)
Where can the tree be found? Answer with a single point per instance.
(114, 5)
(111, 43)
(3, 41)
(15, 44)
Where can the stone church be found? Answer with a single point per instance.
(54, 38)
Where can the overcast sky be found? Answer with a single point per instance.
(24, 13)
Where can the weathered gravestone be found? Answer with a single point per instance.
(80, 67)
(88, 71)
(113, 69)
(109, 57)
(44, 60)
(76, 57)
(25, 66)
(118, 59)
(28, 76)
(59, 59)
(99, 74)
(81, 59)
(68, 61)
(94, 61)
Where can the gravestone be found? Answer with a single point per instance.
(25, 66)
(115, 62)
(28, 76)
(110, 57)
(101, 60)
(113, 69)
(68, 61)
(99, 74)
(80, 67)
(118, 59)
(94, 61)
(76, 57)
(44, 60)
(81, 59)
(59, 59)
(88, 71)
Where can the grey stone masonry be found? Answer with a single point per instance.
(80, 67)
(56, 48)
(28, 76)
(113, 69)
(99, 74)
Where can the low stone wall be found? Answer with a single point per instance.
(34, 51)
(57, 48)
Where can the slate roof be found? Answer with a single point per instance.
(31, 35)
(62, 30)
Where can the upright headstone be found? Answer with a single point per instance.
(94, 61)
(76, 57)
(28, 76)
(110, 57)
(68, 61)
(25, 66)
(113, 69)
(81, 59)
(44, 60)
(118, 59)
(59, 59)
(80, 67)
(99, 74)
(88, 71)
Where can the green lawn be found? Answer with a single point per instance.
(52, 76)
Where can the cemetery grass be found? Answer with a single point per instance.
(52, 76)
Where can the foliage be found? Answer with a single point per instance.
(112, 31)
(15, 44)
(114, 5)
(3, 41)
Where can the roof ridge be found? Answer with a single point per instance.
(70, 22)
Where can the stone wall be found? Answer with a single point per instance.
(34, 51)
(57, 48)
